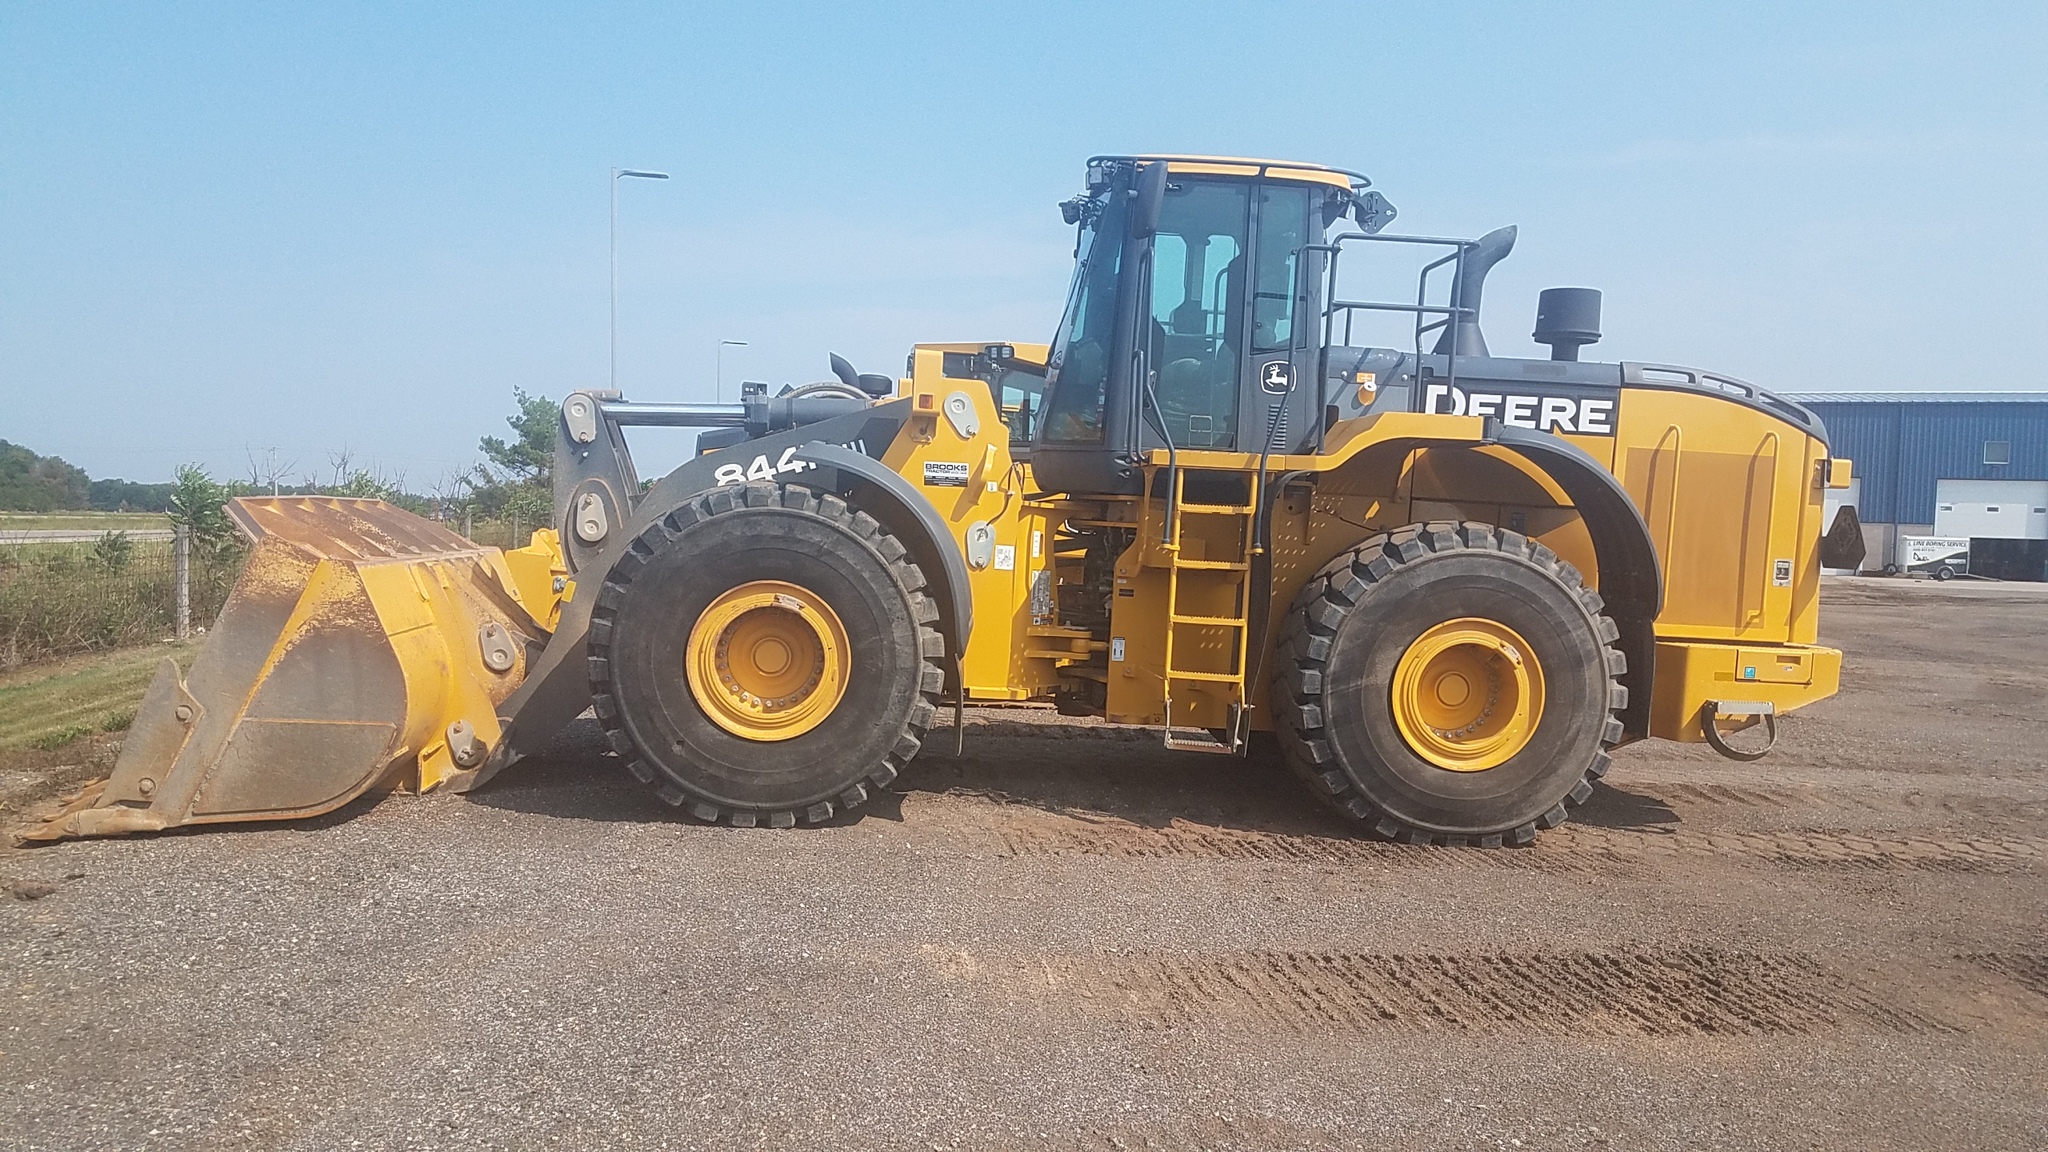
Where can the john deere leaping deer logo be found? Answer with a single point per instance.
(1277, 376)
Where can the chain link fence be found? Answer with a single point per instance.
(61, 598)
(497, 533)
(57, 599)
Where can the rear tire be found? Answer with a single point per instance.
(1347, 641)
(643, 628)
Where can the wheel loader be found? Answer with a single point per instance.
(1440, 585)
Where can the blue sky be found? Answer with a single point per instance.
(326, 227)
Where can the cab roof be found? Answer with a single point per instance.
(1247, 166)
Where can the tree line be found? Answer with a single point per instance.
(512, 482)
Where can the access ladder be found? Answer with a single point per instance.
(1218, 580)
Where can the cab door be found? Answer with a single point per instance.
(1280, 399)
(1197, 312)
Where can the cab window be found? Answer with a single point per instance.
(1079, 371)
(1282, 230)
(1018, 395)
(1197, 309)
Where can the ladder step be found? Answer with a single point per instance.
(1211, 621)
(1210, 677)
(1232, 745)
(1212, 565)
(1217, 509)
(1204, 745)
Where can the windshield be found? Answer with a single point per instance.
(1077, 372)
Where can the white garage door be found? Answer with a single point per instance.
(1992, 509)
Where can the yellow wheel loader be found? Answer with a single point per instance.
(1442, 585)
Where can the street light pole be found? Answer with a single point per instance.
(617, 173)
(718, 393)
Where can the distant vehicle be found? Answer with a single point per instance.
(1941, 557)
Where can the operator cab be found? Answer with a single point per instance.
(1194, 315)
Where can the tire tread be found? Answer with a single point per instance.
(909, 578)
(1344, 585)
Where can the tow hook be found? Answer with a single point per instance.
(1750, 711)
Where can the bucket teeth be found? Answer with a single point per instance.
(357, 639)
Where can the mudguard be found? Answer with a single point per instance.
(932, 542)
(1631, 581)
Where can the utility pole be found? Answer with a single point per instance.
(617, 175)
(718, 392)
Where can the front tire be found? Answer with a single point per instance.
(1449, 683)
(763, 655)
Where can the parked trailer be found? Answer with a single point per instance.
(1942, 557)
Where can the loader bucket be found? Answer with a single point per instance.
(364, 647)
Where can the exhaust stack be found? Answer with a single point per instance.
(1462, 336)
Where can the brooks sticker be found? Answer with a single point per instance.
(944, 474)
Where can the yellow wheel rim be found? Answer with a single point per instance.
(768, 660)
(1468, 694)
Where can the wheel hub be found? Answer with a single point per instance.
(767, 660)
(1468, 694)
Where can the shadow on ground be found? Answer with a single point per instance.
(1085, 770)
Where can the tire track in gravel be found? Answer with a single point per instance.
(2029, 970)
(1685, 794)
(1568, 848)
(1686, 992)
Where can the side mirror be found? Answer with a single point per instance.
(1147, 199)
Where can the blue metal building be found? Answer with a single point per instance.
(1933, 463)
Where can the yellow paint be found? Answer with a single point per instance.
(997, 664)
(534, 570)
(1733, 504)
(1774, 665)
(1731, 499)
(1244, 166)
(768, 660)
(432, 612)
(1468, 694)
(1691, 673)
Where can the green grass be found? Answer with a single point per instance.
(46, 706)
(56, 599)
(81, 521)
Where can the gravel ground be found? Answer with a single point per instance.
(1073, 939)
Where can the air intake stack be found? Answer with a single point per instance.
(1462, 336)
(1567, 318)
